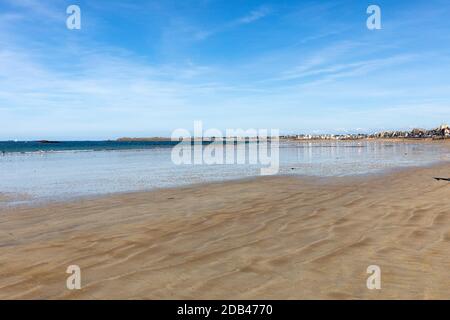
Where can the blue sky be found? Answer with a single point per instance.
(146, 68)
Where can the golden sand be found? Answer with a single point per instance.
(271, 237)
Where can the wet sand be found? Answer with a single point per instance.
(262, 238)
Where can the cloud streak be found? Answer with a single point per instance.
(254, 16)
(251, 17)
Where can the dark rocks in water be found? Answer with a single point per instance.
(47, 141)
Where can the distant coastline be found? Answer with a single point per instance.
(128, 139)
(440, 133)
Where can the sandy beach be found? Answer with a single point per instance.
(261, 238)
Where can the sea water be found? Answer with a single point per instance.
(33, 172)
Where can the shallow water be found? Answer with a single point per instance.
(59, 172)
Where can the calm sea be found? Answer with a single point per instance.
(35, 172)
(34, 146)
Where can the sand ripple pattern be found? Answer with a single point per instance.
(265, 238)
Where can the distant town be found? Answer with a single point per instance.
(439, 133)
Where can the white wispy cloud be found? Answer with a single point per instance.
(254, 16)
(251, 17)
(41, 9)
(341, 70)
